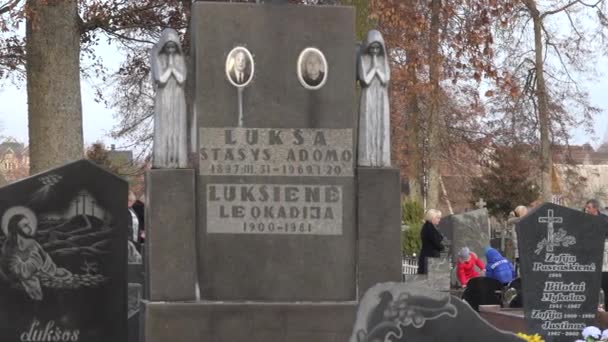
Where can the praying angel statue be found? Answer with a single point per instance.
(169, 74)
(374, 114)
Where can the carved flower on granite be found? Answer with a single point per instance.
(561, 238)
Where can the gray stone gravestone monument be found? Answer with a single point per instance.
(470, 229)
(402, 312)
(438, 275)
(439, 271)
(561, 257)
(276, 225)
(64, 256)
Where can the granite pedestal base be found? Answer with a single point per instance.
(170, 256)
(379, 227)
(248, 322)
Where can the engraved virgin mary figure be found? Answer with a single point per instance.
(169, 74)
(374, 115)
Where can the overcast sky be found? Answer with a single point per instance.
(98, 120)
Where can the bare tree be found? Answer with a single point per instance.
(548, 51)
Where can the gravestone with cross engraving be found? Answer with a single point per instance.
(63, 259)
(561, 253)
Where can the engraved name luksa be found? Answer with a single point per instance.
(267, 151)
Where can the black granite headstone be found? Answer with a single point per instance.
(136, 280)
(561, 262)
(482, 291)
(64, 256)
(496, 244)
(406, 312)
(275, 178)
(605, 288)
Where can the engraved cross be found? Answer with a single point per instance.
(481, 203)
(550, 220)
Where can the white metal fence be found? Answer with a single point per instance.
(409, 265)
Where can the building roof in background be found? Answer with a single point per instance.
(581, 154)
(15, 147)
(120, 156)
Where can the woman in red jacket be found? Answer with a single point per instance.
(465, 268)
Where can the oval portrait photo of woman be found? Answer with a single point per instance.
(239, 67)
(312, 69)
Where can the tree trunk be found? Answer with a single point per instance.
(53, 83)
(414, 143)
(546, 160)
(362, 17)
(434, 117)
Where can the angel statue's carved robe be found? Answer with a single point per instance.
(374, 114)
(170, 125)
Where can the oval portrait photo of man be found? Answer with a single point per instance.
(312, 68)
(239, 67)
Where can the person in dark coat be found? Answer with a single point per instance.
(431, 238)
(139, 207)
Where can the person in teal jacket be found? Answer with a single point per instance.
(498, 267)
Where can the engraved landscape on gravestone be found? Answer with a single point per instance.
(373, 73)
(170, 123)
(312, 68)
(63, 260)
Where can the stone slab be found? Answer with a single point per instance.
(379, 227)
(247, 322)
(561, 252)
(439, 272)
(284, 253)
(170, 257)
(64, 256)
(136, 280)
(505, 319)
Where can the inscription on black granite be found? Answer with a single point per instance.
(561, 253)
(63, 261)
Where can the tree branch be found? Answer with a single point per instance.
(122, 36)
(97, 22)
(8, 6)
(565, 7)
